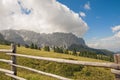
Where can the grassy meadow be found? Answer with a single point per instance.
(75, 72)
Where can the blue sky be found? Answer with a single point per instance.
(97, 20)
(103, 15)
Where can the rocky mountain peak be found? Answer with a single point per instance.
(54, 39)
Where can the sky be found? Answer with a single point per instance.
(103, 20)
(97, 21)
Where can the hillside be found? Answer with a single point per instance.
(2, 40)
(82, 48)
(54, 39)
(77, 72)
(65, 40)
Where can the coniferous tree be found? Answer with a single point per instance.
(18, 45)
(35, 46)
(32, 46)
(58, 49)
(46, 48)
(74, 52)
(61, 50)
(54, 49)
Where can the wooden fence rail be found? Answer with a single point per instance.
(85, 63)
(15, 77)
(115, 67)
(41, 72)
(6, 51)
(4, 60)
(6, 71)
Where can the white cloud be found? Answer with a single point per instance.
(87, 6)
(111, 43)
(44, 16)
(82, 14)
(117, 34)
(116, 28)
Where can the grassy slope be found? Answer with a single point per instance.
(87, 73)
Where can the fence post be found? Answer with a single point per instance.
(13, 58)
(117, 61)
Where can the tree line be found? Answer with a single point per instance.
(74, 52)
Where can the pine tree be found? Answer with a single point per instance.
(46, 48)
(18, 45)
(54, 49)
(35, 46)
(32, 46)
(61, 50)
(74, 52)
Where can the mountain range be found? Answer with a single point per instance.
(66, 40)
(2, 40)
(54, 39)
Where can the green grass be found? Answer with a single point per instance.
(77, 72)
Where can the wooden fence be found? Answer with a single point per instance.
(115, 67)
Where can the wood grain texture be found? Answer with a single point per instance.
(85, 63)
(5, 50)
(6, 71)
(41, 72)
(6, 61)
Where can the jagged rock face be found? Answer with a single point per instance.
(66, 40)
(55, 39)
(1, 37)
(12, 36)
(2, 40)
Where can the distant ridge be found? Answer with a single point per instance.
(55, 39)
(2, 40)
(65, 40)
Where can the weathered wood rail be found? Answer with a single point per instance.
(115, 67)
